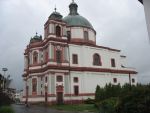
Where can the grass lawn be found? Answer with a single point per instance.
(79, 107)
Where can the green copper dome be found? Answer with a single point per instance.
(74, 19)
(36, 38)
(55, 15)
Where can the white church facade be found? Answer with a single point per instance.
(67, 65)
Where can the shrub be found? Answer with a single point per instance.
(4, 99)
(125, 99)
(6, 109)
(108, 105)
(89, 101)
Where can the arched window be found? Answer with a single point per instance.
(58, 56)
(34, 85)
(97, 60)
(86, 35)
(58, 31)
(35, 57)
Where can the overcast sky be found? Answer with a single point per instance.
(119, 24)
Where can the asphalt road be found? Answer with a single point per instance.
(34, 109)
(37, 109)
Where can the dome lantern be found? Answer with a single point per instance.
(75, 19)
(55, 15)
(36, 38)
(73, 8)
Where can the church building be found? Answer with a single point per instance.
(66, 64)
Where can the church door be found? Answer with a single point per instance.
(59, 90)
(59, 97)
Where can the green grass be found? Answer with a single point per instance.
(6, 109)
(79, 108)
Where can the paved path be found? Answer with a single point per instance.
(36, 109)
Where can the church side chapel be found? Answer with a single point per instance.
(66, 65)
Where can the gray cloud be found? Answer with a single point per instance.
(119, 24)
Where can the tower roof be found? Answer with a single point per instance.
(55, 15)
(36, 38)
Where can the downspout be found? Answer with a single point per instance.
(27, 87)
(69, 73)
(130, 80)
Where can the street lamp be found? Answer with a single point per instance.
(1, 80)
(45, 93)
(4, 70)
(27, 88)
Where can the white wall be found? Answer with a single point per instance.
(77, 32)
(89, 80)
(91, 35)
(51, 28)
(85, 56)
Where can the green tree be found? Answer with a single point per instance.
(97, 93)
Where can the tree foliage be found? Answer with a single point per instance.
(4, 99)
(125, 99)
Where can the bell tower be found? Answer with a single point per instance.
(55, 27)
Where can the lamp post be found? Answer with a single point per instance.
(1, 80)
(4, 70)
(45, 93)
(27, 88)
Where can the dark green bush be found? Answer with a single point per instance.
(6, 109)
(4, 99)
(125, 99)
(108, 105)
(89, 101)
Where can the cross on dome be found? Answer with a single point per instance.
(73, 1)
(55, 8)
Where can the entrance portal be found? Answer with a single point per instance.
(59, 98)
(59, 90)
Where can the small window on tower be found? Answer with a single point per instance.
(59, 78)
(86, 35)
(58, 31)
(58, 56)
(75, 59)
(35, 57)
(75, 79)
